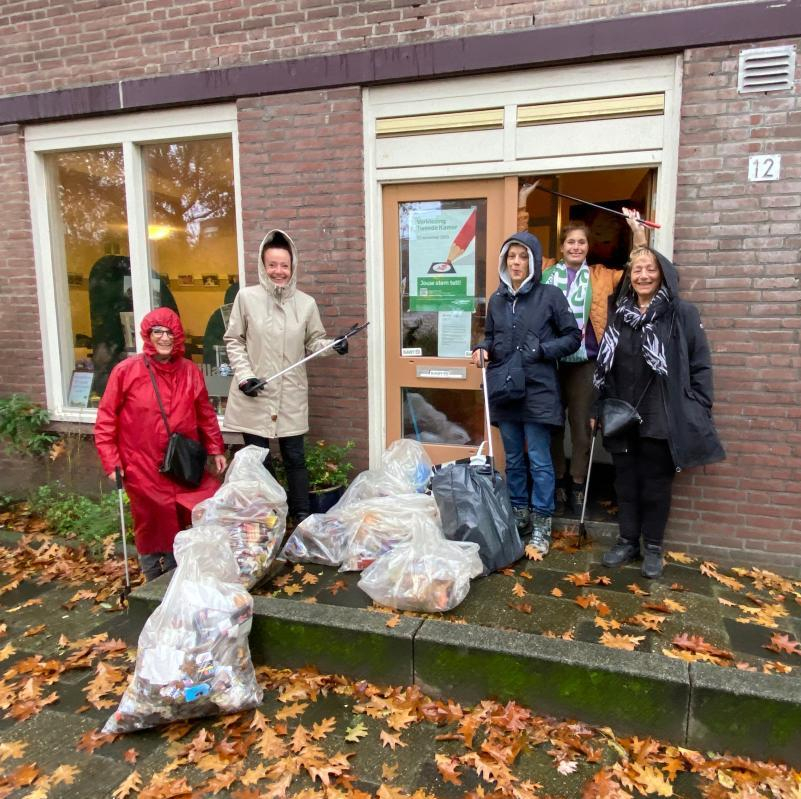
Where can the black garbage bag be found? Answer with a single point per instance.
(474, 505)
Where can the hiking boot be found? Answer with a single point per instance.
(560, 500)
(540, 532)
(622, 552)
(652, 563)
(577, 497)
(522, 521)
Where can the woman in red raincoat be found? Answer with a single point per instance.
(130, 433)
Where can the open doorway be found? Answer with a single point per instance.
(610, 240)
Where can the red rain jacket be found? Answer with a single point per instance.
(129, 431)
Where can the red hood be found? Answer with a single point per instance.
(163, 317)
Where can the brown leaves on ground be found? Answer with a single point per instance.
(781, 642)
(627, 642)
(694, 648)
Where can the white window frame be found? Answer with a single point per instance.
(129, 131)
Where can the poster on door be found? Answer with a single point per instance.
(442, 259)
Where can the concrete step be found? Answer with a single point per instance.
(485, 648)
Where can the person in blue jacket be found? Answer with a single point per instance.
(529, 324)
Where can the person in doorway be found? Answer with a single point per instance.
(654, 355)
(532, 322)
(587, 289)
(130, 434)
(273, 325)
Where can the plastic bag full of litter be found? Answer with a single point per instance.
(193, 657)
(251, 505)
(405, 469)
(427, 573)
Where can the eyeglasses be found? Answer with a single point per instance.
(162, 332)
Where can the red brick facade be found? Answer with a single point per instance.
(301, 167)
(737, 244)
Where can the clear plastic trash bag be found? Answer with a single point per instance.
(321, 538)
(385, 523)
(405, 469)
(251, 505)
(427, 573)
(193, 656)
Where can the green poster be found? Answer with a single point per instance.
(436, 293)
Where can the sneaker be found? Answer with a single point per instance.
(577, 497)
(522, 521)
(560, 501)
(622, 552)
(652, 563)
(540, 532)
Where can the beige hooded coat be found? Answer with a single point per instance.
(270, 328)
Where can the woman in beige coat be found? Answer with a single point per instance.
(272, 326)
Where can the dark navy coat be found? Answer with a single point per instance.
(537, 320)
(685, 394)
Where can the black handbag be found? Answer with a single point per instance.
(618, 416)
(184, 459)
(507, 381)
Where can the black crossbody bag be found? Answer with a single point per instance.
(506, 381)
(185, 458)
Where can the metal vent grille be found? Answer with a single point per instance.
(766, 69)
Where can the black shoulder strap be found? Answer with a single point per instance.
(158, 396)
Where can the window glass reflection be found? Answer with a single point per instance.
(93, 270)
(192, 246)
(443, 416)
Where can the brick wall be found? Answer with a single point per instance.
(21, 361)
(737, 245)
(301, 160)
(46, 45)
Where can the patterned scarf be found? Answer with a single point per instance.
(653, 349)
(579, 298)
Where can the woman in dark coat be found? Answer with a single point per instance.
(655, 356)
(533, 323)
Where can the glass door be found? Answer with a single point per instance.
(441, 243)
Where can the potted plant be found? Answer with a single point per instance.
(328, 470)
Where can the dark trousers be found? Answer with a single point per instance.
(293, 455)
(156, 564)
(643, 481)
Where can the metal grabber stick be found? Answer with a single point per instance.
(582, 528)
(644, 222)
(118, 479)
(355, 329)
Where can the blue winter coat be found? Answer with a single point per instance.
(537, 320)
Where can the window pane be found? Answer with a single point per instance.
(443, 247)
(93, 271)
(192, 247)
(443, 416)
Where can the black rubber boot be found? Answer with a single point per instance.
(577, 497)
(652, 563)
(560, 499)
(622, 552)
(298, 493)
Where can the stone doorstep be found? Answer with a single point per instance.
(636, 693)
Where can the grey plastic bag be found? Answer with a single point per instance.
(474, 505)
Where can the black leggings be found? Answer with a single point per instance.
(293, 454)
(643, 482)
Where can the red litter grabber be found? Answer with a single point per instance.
(528, 188)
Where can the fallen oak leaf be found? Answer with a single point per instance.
(579, 579)
(94, 739)
(626, 642)
(557, 592)
(390, 740)
(680, 557)
(389, 772)
(448, 768)
(12, 749)
(636, 590)
(393, 621)
(521, 607)
(24, 775)
(356, 732)
(518, 590)
(336, 587)
(130, 756)
(35, 630)
(781, 642)
(532, 553)
(65, 773)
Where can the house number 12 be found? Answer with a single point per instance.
(764, 167)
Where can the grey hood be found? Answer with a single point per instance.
(532, 244)
(278, 237)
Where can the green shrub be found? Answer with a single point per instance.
(22, 426)
(76, 516)
(325, 463)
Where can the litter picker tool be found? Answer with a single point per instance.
(352, 332)
(127, 589)
(644, 222)
(582, 528)
(487, 425)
